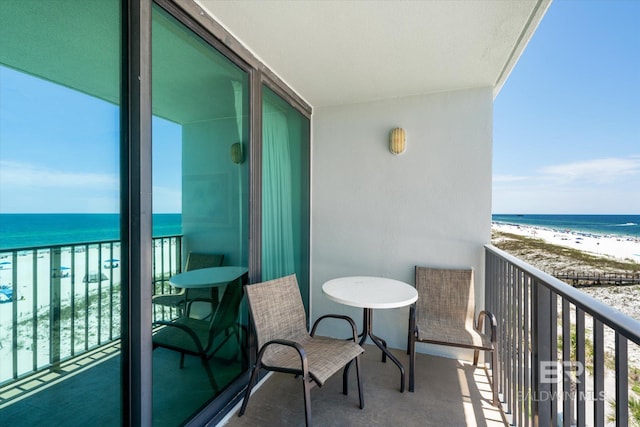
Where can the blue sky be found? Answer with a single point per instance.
(566, 128)
(567, 121)
(60, 151)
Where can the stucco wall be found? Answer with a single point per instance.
(374, 213)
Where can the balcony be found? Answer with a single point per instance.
(564, 358)
(61, 309)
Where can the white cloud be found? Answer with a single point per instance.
(16, 174)
(166, 199)
(27, 187)
(607, 185)
(598, 171)
(509, 178)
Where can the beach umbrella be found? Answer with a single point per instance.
(111, 263)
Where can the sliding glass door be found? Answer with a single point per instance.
(200, 176)
(60, 272)
(229, 200)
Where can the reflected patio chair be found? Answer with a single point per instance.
(197, 337)
(444, 315)
(178, 300)
(286, 346)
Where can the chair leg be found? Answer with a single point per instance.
(412, 361)
(226, 338)
(476, 354)
(212, 380)
(360, 395)
(252, 380)
(307, 400)
(345, 379)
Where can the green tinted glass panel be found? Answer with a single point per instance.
(60, 280)
(285, 192)
(200, 177)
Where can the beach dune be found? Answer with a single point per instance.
(618, 247)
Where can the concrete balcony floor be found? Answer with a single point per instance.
(447, 393)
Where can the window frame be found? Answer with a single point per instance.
(136, 190)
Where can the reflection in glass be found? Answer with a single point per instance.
(200, 108)
(60, 280)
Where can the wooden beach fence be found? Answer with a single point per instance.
(585, 279)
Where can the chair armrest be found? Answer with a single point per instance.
(213, 303)
(288, 343)
(183, 328)
(157, 297)
(492, 320)
(337, 316)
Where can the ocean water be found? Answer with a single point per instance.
(607, 225)
(33, 230)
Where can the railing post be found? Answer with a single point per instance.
(14, 316)
(598, 374)
(622, 382)
(541, 352)
(580, 358)
(568, 387)
(55, 327)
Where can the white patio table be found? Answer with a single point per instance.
(207, 277)
(210, 277)
(372, 293)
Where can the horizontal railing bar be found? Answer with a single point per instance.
(83, 243)
(621, 323)
(84, 314)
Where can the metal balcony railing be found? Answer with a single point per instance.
(563, 355)
(59, 302)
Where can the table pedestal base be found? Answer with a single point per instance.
(367, 331)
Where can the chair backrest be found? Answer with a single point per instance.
(446, 296)
(197, 261)
(226, 314)
(277, 310)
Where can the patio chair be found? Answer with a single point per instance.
(286, 346)
(178, 300)
(197, 337)
(444, 315)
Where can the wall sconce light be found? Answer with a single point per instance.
(397, 141)
(237, 156)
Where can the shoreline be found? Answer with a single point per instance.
(623, 248)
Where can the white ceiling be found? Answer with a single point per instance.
(336, 52)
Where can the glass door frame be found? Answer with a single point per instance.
(136, 192)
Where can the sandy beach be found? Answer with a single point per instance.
(623, 248)
(96, 275)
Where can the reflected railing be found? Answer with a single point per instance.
(61, 302)
(565, 358)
